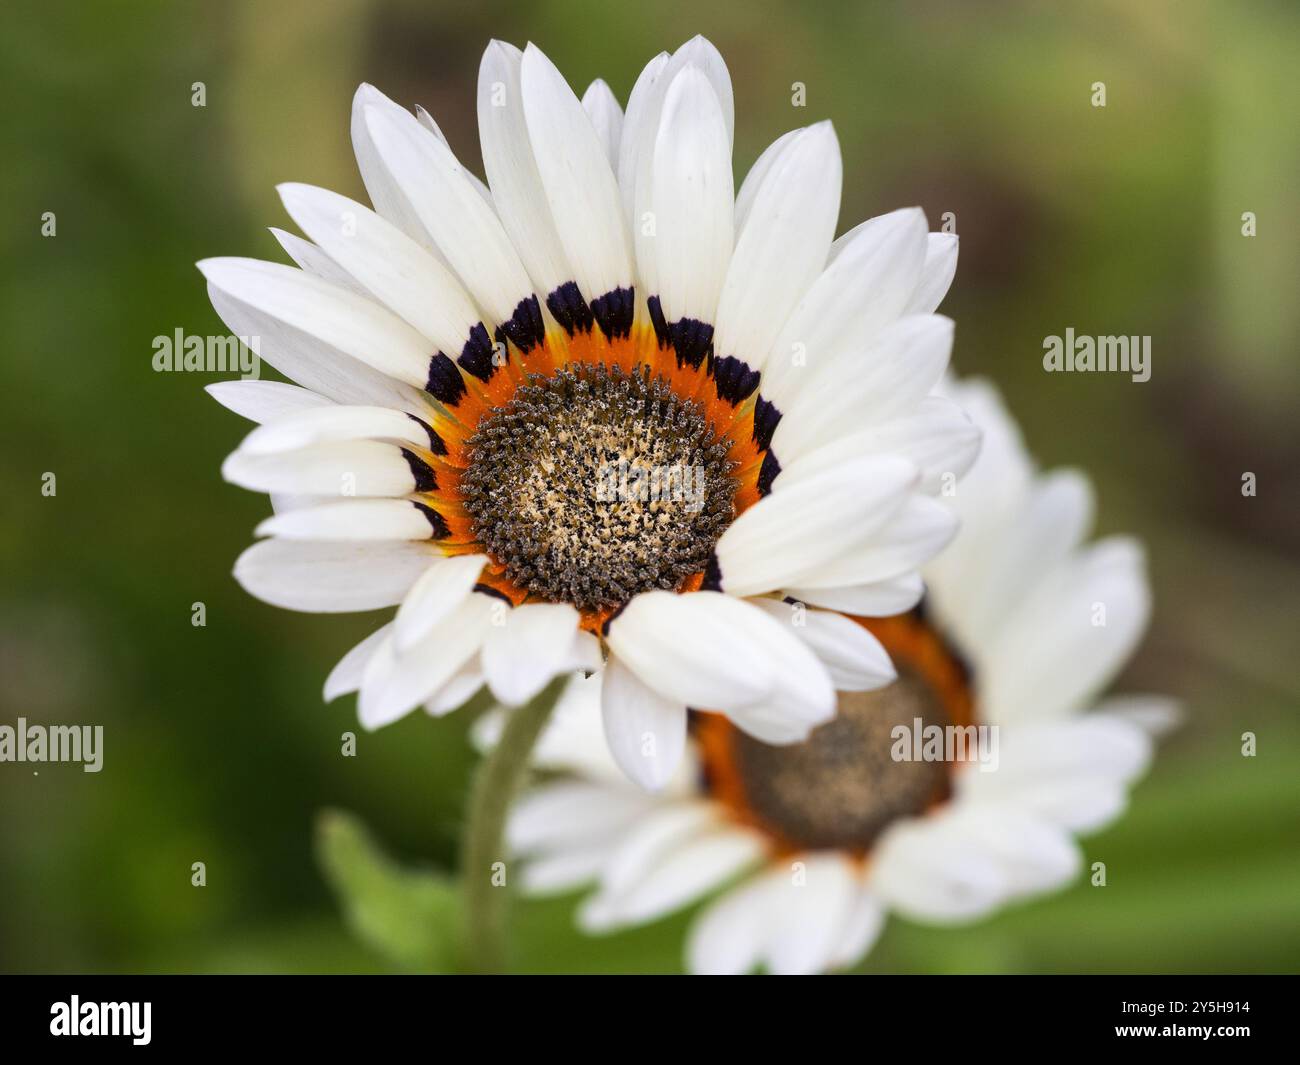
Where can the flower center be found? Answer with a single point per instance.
(852, 778)
(595, 484)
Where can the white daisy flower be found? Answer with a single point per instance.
(1023, 624)
(601, 412)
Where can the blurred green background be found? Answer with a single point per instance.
(1124, 219)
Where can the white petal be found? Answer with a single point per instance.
(391, 200)
(1080, 751)
(936, 437)
(585, 653)
(691, 648)
(1069, 638)
(660, 832)
(863, 289)
(809, 914)
(988, 498)
(758, 174)
(1079, 804)
(334, 422)
(1153, 714)
(701, 53)
(936, 274)
(314, 260)
(264, 401)
(790, 534)
(1035, 855)
(574, 740)
(606, 117)
(918, 532)
(772, 723)
(512, 171)
(457, 692)
(699, 865)
(573, 813)
(886, 381)
(927, 871)
(354, 467)
(882, 599)
(783, 245)
(283, 502)
(329, 578)
(639, 124)
(465, 228)
(357, 519)
(646, 732)
(712, 651)
(683, 258)
(333, 315)
(645, 106)
(729, 935)
(860, 931)
(435, 595)
(580, 186)
(802, 696)
(560, 873)
(428, 122)
(419, 673)
(346, 676)
(854, 658)
(310, 362)
(533, 645)
(377, 673)
(393, 268)
(1049, 524)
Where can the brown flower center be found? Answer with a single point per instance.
(855, 775)
(595, 484)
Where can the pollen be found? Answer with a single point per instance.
(595, 484)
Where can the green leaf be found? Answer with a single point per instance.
(410, 917)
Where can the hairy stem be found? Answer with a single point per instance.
(495, 787)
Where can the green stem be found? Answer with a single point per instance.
(495, 785)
